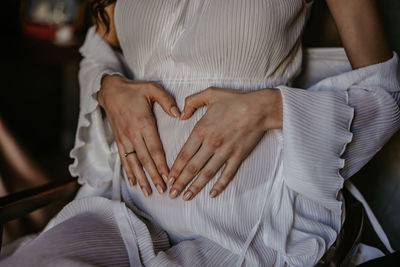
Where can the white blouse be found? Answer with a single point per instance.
(283, 206)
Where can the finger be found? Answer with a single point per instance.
(129, 173)
(135, 166)
(148, 163)
(191, 146)
(206, 174)
(125, 164)
(194, 102)
(139, 173)
(190, 171)
(167, 102)
(227, 175)
(155, 148)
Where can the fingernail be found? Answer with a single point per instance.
(145, 193)
(165, 178)
(213, 193)
(175, 111)
(187, 195)
(159, 189)
(173, 193)
(130, 182)
(182, 114)
(171, 181)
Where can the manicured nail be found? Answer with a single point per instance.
(165, 178)
(173, 193)
(171, 181)
(187, 195)
(182, 114)
(145, 193)
(213, 193)
(159, 189)
(175, 111)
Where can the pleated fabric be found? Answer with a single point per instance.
(284, 207)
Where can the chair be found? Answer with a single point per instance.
(20, 171)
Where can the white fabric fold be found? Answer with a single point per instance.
(334, 127)
(92, 155)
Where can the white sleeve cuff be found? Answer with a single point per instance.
(316, 130)
(93, 142)
(342, 119)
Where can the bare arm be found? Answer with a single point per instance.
(361, 31)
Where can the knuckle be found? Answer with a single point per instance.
(192, 169)
(155, 178)
(184, 156)
(179, 185)
(143, 185)
(195, 188)
(188, 100)
(215, 141)
(142, 181)
(220, 186)
(211, 89)
(238, 155)
(152, 83)
(208, 174)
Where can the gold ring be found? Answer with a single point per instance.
(128, 153)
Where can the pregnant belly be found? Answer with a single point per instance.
(228, 218)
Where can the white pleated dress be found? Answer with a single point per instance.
(283, 208)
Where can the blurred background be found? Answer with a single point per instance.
(39, 97)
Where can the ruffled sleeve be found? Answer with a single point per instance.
(93, 150)
(336, 126)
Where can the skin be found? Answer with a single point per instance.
(221, 138)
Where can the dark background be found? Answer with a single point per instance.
(39, 95)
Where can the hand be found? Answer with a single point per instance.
(128, 105)
(232, 126)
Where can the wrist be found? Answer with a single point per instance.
(107, 82)
(271, 103)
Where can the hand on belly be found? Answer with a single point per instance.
(230, 129)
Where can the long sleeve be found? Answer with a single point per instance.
(336, 126)
(92, 152)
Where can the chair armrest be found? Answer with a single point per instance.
(19, 204)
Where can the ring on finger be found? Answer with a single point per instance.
(128, 153)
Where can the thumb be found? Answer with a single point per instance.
(194, 102)
(166, 101)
